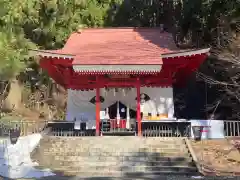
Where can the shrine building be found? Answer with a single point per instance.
(119, 78)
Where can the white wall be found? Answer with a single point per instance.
(214, 129)
(79, 107)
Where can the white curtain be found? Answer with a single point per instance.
(127, 97)
(80, 108)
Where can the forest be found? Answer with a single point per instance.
(28, 93)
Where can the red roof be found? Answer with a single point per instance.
(140, 51)
(118, 46)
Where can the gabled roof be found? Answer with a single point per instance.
(141, 51)
(117, 46)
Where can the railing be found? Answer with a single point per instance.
(107, 127)
(64, 128)
(118, 127)
(231, 128)
(166, 129)
(71, 132)
(23, 127)
(110, 127)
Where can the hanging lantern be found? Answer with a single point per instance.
(128, 118)
(105, 90)
(124, 94)
(118, 113)
(107, 114)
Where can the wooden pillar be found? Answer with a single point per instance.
(139, 110)
(97, 111)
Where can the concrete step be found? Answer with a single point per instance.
(113, 149)
(119, 138)
(122, 146)
(158, 173)
(78, 141)
(117, 154)
(129, 174)
(126, 168)
(188, 163)
(114, 139)
(178, 168)
(122, 159)
(122, 163)
(116, 158)
(75, 162)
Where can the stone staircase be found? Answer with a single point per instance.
(115, 156)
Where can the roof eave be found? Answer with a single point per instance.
(185, 53)
(50, 54)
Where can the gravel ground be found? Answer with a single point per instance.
(218, 156)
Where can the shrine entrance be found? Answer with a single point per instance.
(120, 117)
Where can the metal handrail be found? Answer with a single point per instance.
(25, 127)
(232, 128)
(114, 126)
